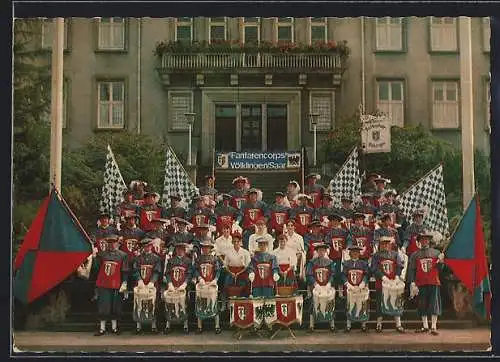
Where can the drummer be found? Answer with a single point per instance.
(236, 262)
(263, 271)
(355, 273)
(287, 262)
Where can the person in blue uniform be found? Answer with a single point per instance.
(263, 271)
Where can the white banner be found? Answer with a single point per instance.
(375, 133)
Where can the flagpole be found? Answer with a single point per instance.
(57, 102)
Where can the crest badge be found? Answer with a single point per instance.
(280, 218)
(387, 266)
(199, 219)
(149, 215)
(205, 270)
(426, 264)
(145, 271)
(376, 135)
(252, 213)
(263, 268)
(177, 274)
(284, 309)
(242, 313)
(304, 219)
(109, 268)
(336, 243)
(222, 160)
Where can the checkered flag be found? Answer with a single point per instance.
(428, 193)
(347, 181)
(177, 180)
(114, 185)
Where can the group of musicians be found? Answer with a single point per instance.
(234, 245)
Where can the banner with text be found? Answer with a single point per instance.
(285, 160)
(375, 133)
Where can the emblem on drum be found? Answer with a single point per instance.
(284, 310)
(355, 276)
(109, 268)
(242, 314)
(426, 264)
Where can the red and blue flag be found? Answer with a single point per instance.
(466, 257)
(53, 248)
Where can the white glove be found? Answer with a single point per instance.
(441, 257)
(170, 286)
(328, 285)
(362, 285)
(251, 277)
(401, 278)
(140, 283)
(403, 250)
(413, 290)
(213, 282)
(123, 287)
(183, 286)
(316, 285)
(348, 285)
(150, 285)
(276, 277)
(384, 279)
(201, 281)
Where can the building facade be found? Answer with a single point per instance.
(252, 83)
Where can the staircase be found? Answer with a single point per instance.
(82, 315)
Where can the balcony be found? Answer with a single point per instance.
(227, 57)
(253, 62)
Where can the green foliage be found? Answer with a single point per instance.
(414, 152)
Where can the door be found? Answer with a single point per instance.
(277, 127)
(225, 127)
(251, 127)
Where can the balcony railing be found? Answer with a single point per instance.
(319, 62)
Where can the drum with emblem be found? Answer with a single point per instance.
(247, 312)
(357, 303)
(289, 310)
(144, 303)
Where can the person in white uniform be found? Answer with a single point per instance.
(260, 232)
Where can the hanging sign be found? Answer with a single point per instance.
(375, 133)
(257, 160)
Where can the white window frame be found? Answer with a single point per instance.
(246, 24)
(49, 22)
(174, 124)
(290, 24)
(453, 106)
(189, 23)
(386, 26)
(110, 103)
(387, 106)
(111, 25)
(440, 29)
(331, 120)
(216, 23)
(323, 23)
(486, 34)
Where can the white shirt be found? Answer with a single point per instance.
(253, 245)
(237, 258)
(286, 255)
(296, 242)
(222, 244)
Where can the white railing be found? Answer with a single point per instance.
(326, 61)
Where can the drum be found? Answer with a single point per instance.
(357, 304)
(288, 310)
(393, 297)
(206, 301)
(144, 304)
(323, 303)
(246, 312)
(175, 305)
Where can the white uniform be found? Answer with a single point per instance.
(222, 244)
(286, 256)
(253, 245)
(296, 242)
(237, 258)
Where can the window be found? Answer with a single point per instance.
(486, 34)
(389, 33)
(323, 105)
(111, 104)
(184, 30)
(443, 34)
(111, 34)
(319, 30)
(180, 103)
(445, 111)
(251, 31)
(390, 100)
(284, 33)
(217, 29)
(48, 30)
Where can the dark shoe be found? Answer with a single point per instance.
(138, 331)
(434, 332)
(333, 329)
(167, 330)
(347, 330)
(364, 329)
(422, 330)
(199, 331)
(154, 330)
(218, 331)
(186, 330)
(310, 330)
(400, 329)
(99, 333)
(378, 329)
(115, 331)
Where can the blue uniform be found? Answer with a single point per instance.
(264, 265)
